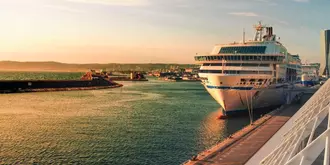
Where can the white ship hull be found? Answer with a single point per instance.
(235, 98)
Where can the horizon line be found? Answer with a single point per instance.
(91, 63)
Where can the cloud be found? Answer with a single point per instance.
(268, 2)
(245, 14)
(282, 22)
(301, 0)
(275, 20)
(63, 8)
(113, 2)
(263, 0)
(252, 14)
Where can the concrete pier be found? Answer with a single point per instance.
(241, 146)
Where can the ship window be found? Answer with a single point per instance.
(210, 71)
(250, 64)
(233, 64)
(236, 72)
(243, 50)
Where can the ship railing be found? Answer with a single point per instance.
(308, 140)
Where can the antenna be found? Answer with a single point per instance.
(243, 35)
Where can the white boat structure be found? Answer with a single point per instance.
(247, 75)
(310, 76)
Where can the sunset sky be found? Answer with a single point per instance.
(150, 31)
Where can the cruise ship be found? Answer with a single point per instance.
(310, 76)
(249, 75)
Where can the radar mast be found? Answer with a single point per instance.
(259, 36)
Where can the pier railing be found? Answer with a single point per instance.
(308, 140)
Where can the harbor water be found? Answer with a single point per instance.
(153, 122)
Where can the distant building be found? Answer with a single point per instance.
(191, 70)
(325, 46)
(157, 74)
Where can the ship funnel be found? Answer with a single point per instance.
(269, 34)
(269, 31)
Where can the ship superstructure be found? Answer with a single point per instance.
(247, 74)
(310, 74)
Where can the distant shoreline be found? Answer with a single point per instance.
(14, 66)
(39, 70)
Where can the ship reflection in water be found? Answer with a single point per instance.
(213, 130)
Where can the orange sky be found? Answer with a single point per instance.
(137, 31)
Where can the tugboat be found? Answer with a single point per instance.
(90, 80)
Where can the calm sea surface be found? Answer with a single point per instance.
(151, 122)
